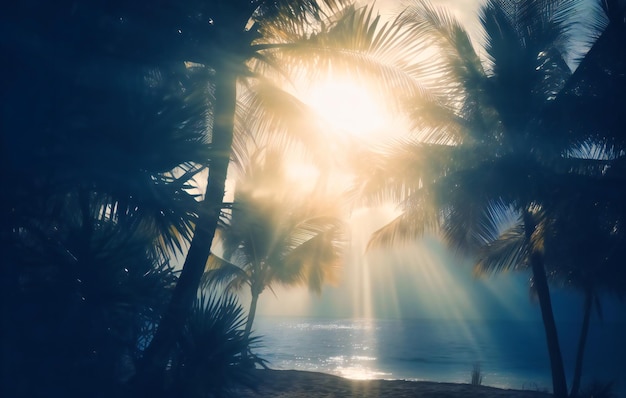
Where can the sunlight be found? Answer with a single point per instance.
(348, 107)
(303, 177)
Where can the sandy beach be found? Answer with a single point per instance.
(299, 384)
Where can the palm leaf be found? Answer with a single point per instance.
(221, 272)
(509, 251)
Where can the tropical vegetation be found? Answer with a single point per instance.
(122, 121)
(275, 236)
(493, 170)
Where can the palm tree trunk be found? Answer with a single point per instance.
(248, 329)
(578, 370)
(157, 354)
(559, 384)
(251, 315)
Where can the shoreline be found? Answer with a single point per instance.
(303, 384)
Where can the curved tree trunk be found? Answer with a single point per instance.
(157, 355)
(251, 315)
(578, 370)
(559, 384)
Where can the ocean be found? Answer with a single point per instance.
(511, 354)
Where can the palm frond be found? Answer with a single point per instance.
(438, 27)
(509, 251)
(470, 225)
(314, 254)
(208, 358)
(276, 117)
(394, 171)
(357, 45)
(408, 227)
(221, 272)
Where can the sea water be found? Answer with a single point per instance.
(510, 354)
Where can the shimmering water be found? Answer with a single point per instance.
(511, 354)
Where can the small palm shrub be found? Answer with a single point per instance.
(209, 360)
(81, 303)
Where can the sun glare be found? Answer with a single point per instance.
(348, 107)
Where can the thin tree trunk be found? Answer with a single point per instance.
(578, 370)
(156, 356)
(559, 383)
(251, 315)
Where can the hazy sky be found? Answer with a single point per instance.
(425, 280)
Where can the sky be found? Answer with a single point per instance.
(424, 280)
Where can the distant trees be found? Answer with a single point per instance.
(497, 155)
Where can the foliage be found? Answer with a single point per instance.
(477, 376)
(208, 360)
(81, 307)
(249, 40)
(495, 167)
(100, 143)
(274, 235)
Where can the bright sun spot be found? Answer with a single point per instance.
(348, 107)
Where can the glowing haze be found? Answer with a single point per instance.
(420, 281)
(423, 280)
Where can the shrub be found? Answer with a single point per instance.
(477, 376)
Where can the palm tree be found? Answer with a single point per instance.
(276, 237)
(99, 145)
(485, 159)
(246, 42)
(582, 251)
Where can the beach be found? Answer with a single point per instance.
(304, 384)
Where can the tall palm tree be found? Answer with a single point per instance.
(221, 36)
(485, 159)
(276, 237)
(242, 44)
(582, 251)
(582, 239)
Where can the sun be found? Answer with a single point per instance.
(348, 107)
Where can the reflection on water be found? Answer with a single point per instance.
(511, 354)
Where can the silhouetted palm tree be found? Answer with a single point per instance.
(247, 42)
(102, 133)
(276, 237)
(485, 160)
(594, 236)
(582, 250)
